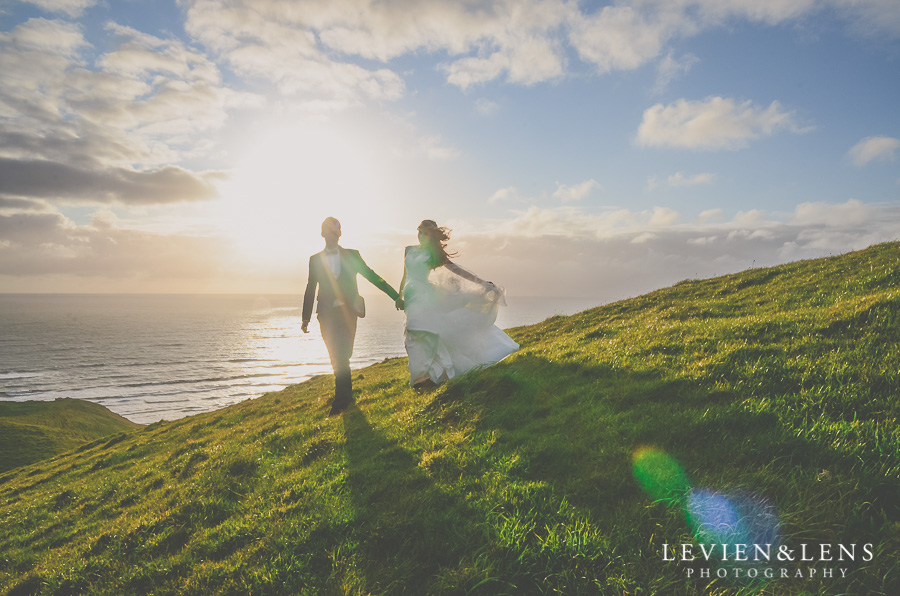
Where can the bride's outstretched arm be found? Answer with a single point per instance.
(454, 268)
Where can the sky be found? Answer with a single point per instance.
(579, 149)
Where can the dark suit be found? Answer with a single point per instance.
(336, 313)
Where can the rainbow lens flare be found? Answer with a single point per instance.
(660, 475)
(718, 518)
(735, 530)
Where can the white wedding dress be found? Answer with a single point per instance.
(449, 322)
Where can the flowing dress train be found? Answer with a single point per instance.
(449, 322)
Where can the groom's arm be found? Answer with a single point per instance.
(373, 277)
(309, 297)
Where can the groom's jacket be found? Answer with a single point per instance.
(334, 291)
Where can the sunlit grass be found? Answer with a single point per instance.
(36, 430)
(780, 384)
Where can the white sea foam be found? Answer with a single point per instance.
(18, 375)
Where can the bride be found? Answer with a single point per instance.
(450, 313)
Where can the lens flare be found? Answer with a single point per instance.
(718, 518)
(713, 517)
(660, 475)
(736, 531)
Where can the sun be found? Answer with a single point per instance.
(289, 178)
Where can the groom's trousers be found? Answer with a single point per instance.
(338, 327)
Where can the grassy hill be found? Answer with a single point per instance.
(761, 405)
(32, 431)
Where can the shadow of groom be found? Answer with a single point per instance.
(407, 528)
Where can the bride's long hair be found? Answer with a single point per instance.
(436, 244)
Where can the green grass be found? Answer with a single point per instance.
(32, 431)
(777, 383)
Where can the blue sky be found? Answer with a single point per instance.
(576, 148)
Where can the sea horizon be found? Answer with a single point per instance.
(163, 356)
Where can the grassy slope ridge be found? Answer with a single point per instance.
(781, 383)
(32, 431)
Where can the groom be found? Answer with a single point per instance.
(334, 271)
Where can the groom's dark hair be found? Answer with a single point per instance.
(331, 225)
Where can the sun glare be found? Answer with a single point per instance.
(290, 178)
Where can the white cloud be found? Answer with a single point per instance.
(517, 38)
(535, 60)
(754, 218)
(663, 217)
(527, 63)
(471, 71)
(434, 148)
(276, 42)
(386, 30)
(643, 238)
(678, 179)
(670, 68)
(521, 40)
(72, 8)
(486, 107)
(853, 213)
(627, 35)
(616, 253)
(575, 222)
(110, 124)
(505, 194)
(141, 54)
(309, 48)
(144, 89)
(710, 215)
(714, 123)
(871, 16)
(770, 12)
(873, 149)
(534, 222)
(52, 38)
(622, 37)
(577, 192)
(41, 244)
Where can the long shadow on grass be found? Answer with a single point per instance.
(574, 428)
(407, 529)
(569, 422)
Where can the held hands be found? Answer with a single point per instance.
(399, 303)
(305, 327)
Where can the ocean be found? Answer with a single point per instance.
(162, 357)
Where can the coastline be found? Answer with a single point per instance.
(149, 357)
